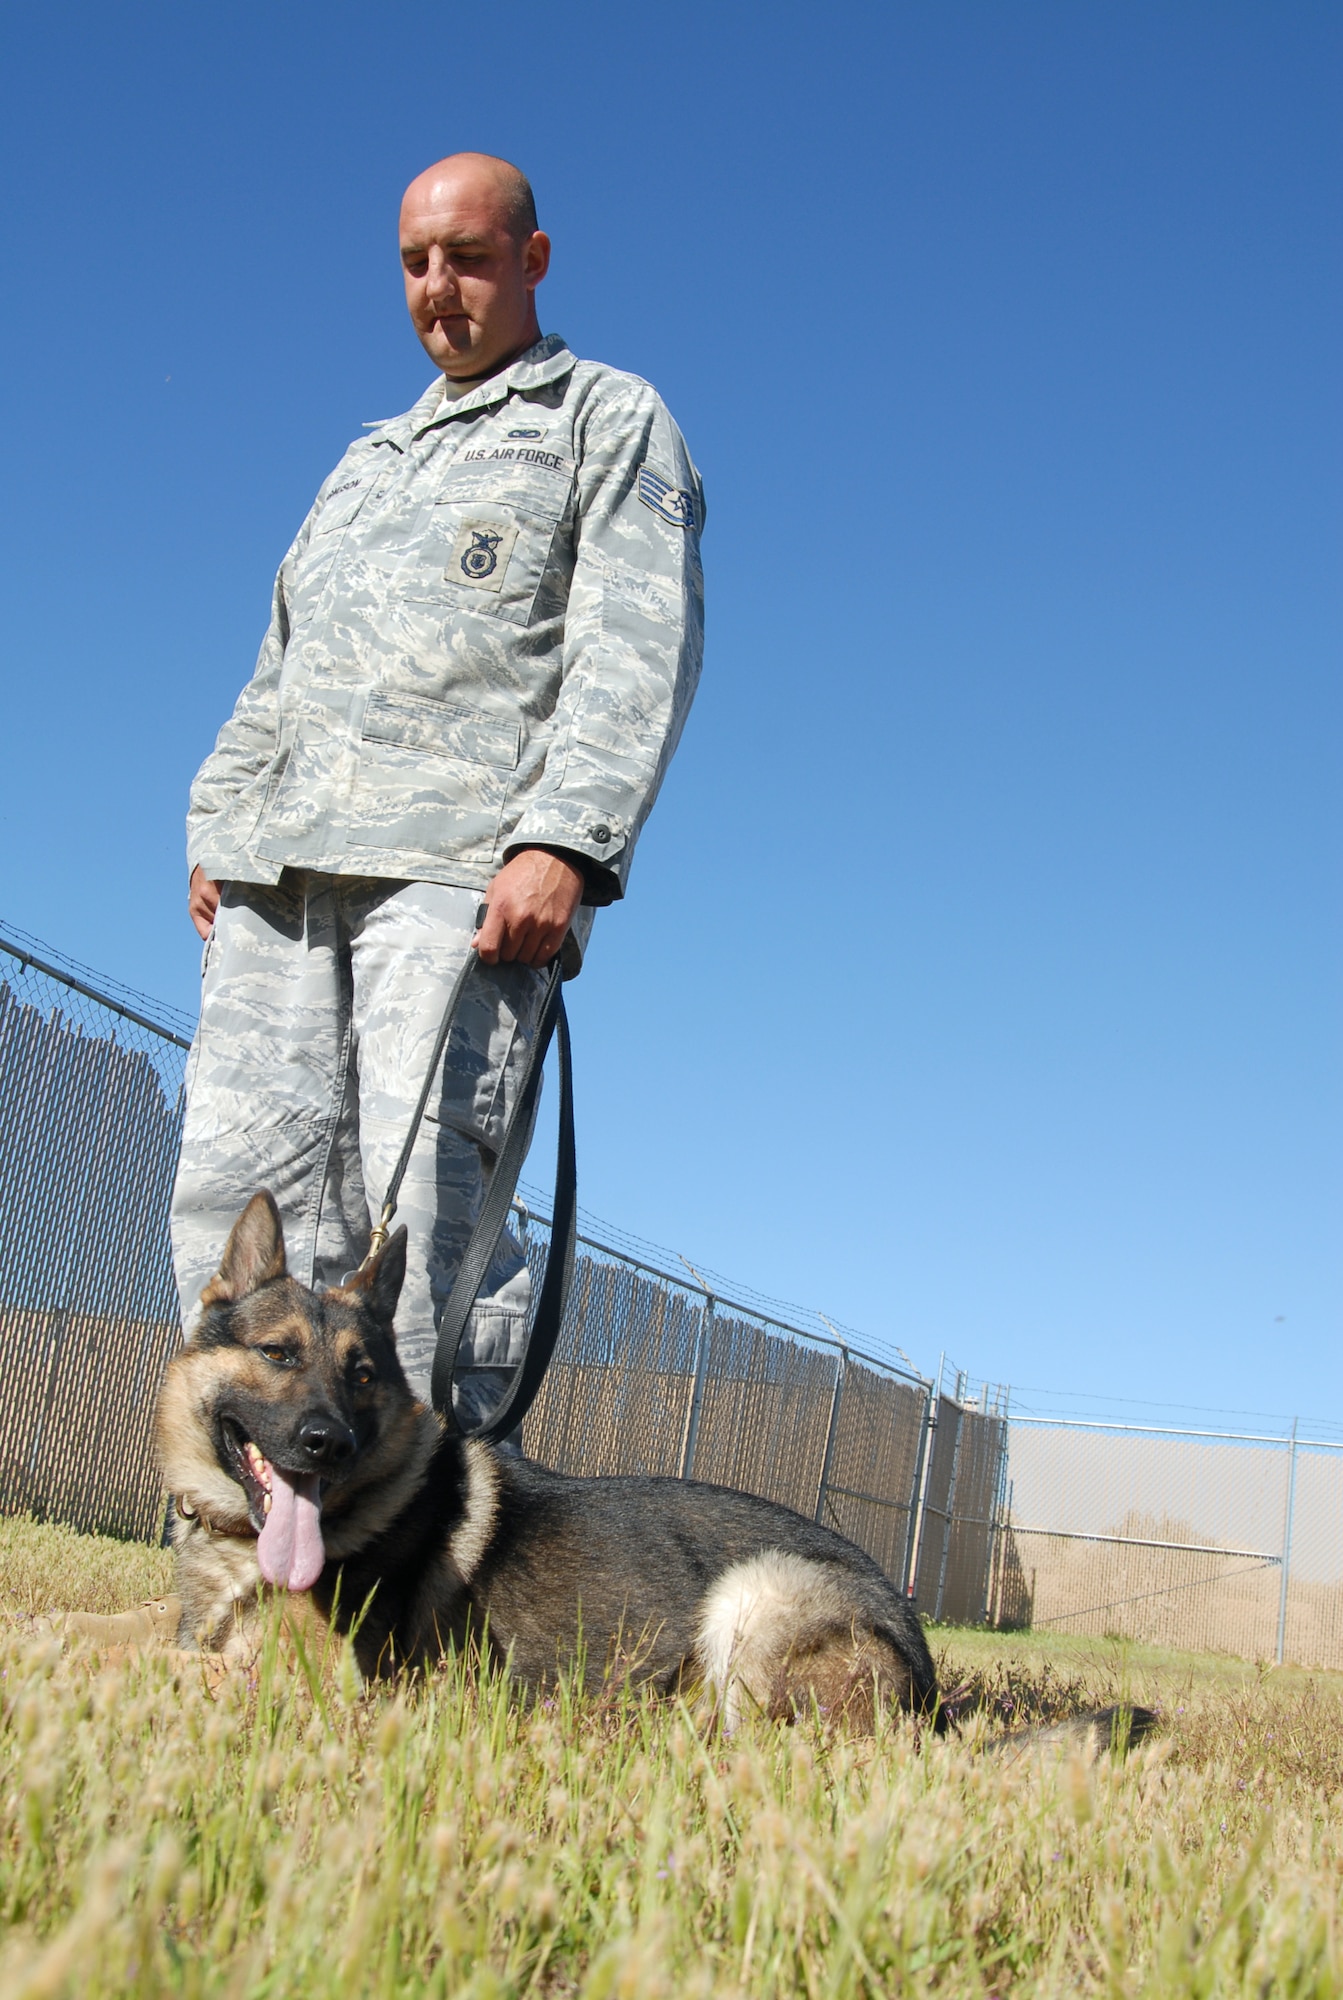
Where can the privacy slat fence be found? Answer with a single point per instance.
(653, 1373)
(962, 1500)
(90, 1118)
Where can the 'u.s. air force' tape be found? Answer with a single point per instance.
(669, 503)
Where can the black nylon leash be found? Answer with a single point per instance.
(555, 1281)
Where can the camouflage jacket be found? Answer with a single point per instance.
(485, 637)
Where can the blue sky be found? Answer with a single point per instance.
(979, 977)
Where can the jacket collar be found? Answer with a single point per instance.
(547, 361)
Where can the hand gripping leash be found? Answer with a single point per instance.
(555, 1281)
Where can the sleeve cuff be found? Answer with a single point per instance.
(600, 885)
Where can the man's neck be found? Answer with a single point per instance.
(457, 385)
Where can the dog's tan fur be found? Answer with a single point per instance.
(779, 1630)
(215, 1540)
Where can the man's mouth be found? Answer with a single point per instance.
(285, 1508)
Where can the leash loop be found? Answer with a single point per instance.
(553, 1292)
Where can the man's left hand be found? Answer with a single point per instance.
(531, 903)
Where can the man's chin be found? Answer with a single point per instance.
(455, 356)
(474, 361)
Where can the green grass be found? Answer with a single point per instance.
(44, 1567)
(168, 1830)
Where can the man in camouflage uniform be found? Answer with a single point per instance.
(484, 643)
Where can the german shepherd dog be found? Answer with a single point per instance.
(298, 1457)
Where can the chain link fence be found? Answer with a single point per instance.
(90, 1120)
(962, 1509)
(655, 1372)
(1191, 1538)
(1225, 1541)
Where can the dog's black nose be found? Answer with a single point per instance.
(326, 1441)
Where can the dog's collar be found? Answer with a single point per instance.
(188, 1513)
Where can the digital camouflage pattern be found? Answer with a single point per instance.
(320, 1002)
(485, 637)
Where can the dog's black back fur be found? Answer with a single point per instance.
(609, 1562)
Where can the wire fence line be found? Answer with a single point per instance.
(656, 1371)
(90, 1120)
(1202, 1539)
(1183, 1535)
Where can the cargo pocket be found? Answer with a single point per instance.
(432, 778)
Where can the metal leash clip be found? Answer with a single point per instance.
(380, 1232)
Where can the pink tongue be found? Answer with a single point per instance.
(289, 1547)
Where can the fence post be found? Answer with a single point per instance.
(831, 1428)
(918, 1502)
(995, 1604)
(697, 1389)
(996, 1511)
(1287, 1542)
(951, 1506)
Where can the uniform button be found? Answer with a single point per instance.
(601, 834)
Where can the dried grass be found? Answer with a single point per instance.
(164, 1831)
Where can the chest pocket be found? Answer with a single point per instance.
(325, 537)
(490, 538)
(343, 502)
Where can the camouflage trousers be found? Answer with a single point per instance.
(320, 1001)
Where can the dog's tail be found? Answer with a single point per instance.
(1115, 1730)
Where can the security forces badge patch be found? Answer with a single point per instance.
(670, 503)
(480, 554)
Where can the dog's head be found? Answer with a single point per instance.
(286, 1403)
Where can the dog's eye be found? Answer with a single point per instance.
(363, 1375)
(279, 1356)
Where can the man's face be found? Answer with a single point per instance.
(469, 282)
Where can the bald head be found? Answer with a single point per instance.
(486, 179)
(472, 256)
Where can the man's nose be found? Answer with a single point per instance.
(325, 1441)
(440, 280)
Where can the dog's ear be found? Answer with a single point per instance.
(381, 1279)
(253, 1255)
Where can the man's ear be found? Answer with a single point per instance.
(253, 1255)
(381, 1280)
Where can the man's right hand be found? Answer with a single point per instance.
(202, 901)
